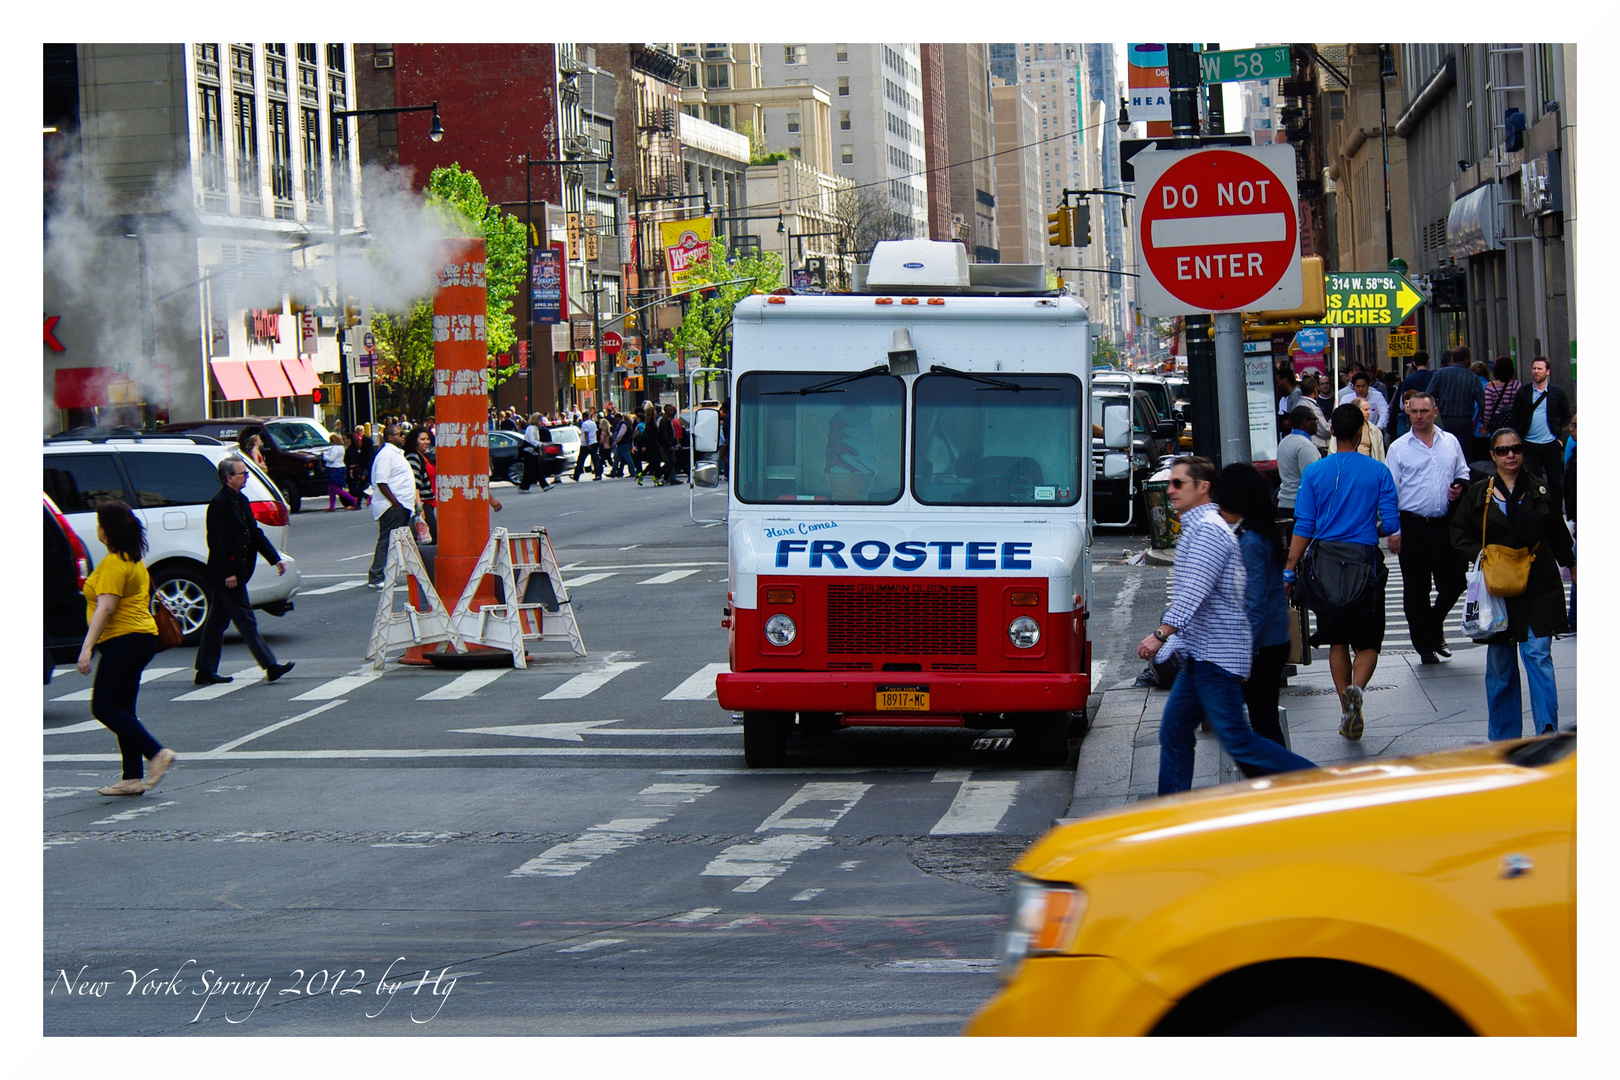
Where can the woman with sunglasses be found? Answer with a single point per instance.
(1244, 499)
(1516, 510)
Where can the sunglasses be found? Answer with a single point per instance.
(1178, 483)
(1503, 451)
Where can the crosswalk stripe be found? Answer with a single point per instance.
(978, 807)
(699, 686)
(338, 687)
(572, 856)
(339, 587)
(464, 684)
(591, 681)
(668, 577)
(588, 579)
(147, 676)
(239, 679)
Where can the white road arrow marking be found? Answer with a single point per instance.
(576, 730)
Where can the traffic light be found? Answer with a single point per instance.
(326, 395)
(630, 322)
(1082, 225)
(632, 382)
(1060, 228)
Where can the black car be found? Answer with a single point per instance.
(67, 564)
(1153, 442)
(292, 449)
(508, 462)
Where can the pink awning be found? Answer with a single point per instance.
(301, 373)
(234, 380)
(271, 379)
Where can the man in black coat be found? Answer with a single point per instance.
(1460, 397)
(668, 442)
(1540, 414)
(234, 543)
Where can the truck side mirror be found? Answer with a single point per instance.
(1116, 427)
(706, 431)
(1116, 466)
(1167, 429)
(706, 474)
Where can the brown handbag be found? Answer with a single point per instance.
(1507, 569)
(169, 632)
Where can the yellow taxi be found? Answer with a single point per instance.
(1428, 895)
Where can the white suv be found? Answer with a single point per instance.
(167, 481)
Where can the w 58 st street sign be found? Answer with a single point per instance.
(1218, 230)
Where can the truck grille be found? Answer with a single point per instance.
(903, 619)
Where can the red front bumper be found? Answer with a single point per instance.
(856, 692)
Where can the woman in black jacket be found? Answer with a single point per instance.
(1515, 509)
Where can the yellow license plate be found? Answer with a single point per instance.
(902, 699)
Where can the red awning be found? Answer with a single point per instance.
(271, 379)
(301, 373)
(233, 379)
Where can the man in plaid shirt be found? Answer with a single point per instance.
(1207, 611)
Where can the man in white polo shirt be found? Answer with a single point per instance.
(393, 497)
(1430, 473)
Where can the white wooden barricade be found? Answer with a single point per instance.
(514, 558)
(411, 626)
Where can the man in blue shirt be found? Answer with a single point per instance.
(1207, 610)
(1348, 498)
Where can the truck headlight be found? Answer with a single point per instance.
(1045, 918)
(779, 630)
(1024, 632)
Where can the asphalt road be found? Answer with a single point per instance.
(576, 848)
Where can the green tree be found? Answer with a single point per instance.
(1104, 353)
(455, 200)
(702, 330)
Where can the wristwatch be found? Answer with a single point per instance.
(1160, 634)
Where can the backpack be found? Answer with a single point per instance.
(639, 439)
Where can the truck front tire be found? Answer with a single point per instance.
(765, 736)
(1043, 738)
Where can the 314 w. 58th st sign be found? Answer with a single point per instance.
(1217, 230)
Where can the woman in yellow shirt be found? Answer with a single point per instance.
(123, 631)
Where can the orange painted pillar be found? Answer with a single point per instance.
(461, 408)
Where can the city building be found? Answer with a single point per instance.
(971, 147)
(882, 149)
(189, 194)
(1489, 131)
(936, 145)
(1050, 74)
(1021, 216)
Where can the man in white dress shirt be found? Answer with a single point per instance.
(1430, 473)
(393, 497)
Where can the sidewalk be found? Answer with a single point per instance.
(1410, 709)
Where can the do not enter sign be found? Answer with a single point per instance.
(1218, 230)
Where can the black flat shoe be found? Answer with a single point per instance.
(276, 671)
(209, 678)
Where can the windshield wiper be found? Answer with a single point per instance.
(941, 369)
(826, 387)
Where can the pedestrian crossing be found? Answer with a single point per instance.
(697, 686)
(574, 576)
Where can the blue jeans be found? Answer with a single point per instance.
(1207, 690)
(1502, 687)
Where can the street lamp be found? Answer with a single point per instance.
(341, 118)
(1386, 75)
(529, 163)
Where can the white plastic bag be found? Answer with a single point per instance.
(1484, 615)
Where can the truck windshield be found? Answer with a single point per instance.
(801, 439)
(997, 440)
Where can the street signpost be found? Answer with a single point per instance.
(612, 342)
(1129, 148)
(1403, 342)
(1311, 339)
(1378, 298)
(1238, 65)
(1218, 230)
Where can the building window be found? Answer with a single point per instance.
(242, 67)
(307, 54)
(848, 154)
(717, 76)
(281, 185)
(843, 53)
(843, 120)
(795, 54)
(247, 147)
(208, 62)
(334, 58)
(843, 86)
(310, 143)
(792, 122)
(275, 69)
(211, 138)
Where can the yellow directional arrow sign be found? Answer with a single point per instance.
(1381, 298)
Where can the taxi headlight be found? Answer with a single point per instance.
(1024, 632)
(779, 630)
(1045, 917)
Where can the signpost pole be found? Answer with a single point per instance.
(1203, 369)
(1230, 375)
